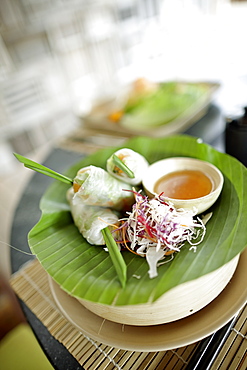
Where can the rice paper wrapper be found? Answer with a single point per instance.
(99, 188)
(90, 220)
(133, 160)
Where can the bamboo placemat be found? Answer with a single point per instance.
(31, 285)
(233, 354)
(86, 141)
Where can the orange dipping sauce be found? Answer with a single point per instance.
(185, 184)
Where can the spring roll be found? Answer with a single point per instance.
(96, 187)
(90, 220)
(133, 160)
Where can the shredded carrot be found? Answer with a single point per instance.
(115, 116)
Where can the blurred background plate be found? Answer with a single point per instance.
(179, 105)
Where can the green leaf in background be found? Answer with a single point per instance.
(86, 271)
(170, 101)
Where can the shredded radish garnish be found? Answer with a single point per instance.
(156, 229)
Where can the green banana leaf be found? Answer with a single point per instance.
(86, 271)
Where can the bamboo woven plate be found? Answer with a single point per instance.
(159, 337)
(175, 304)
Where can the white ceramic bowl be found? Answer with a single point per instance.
(166, 166)
(177, 303)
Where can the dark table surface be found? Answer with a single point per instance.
(210, 128)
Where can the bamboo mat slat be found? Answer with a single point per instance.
(87, 141)
(31, 284)
(233, 355)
